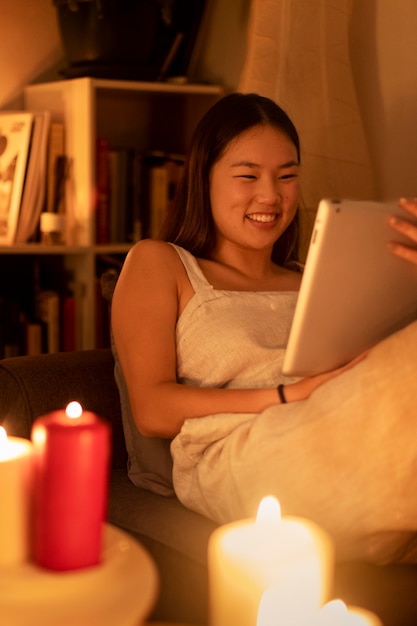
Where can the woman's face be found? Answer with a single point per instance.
(254, 188)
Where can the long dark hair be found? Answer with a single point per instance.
(190, 224)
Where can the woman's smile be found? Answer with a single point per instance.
(262, 218)
(255, 183)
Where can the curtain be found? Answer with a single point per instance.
(298, 55)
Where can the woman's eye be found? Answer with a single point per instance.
(288, 176)
(248, 176)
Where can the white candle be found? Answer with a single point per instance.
(292, 555)
(16, 498)
(336, 613)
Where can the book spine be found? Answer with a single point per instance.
(162, 176)
(33, 198)
(118, 175)
(102, 192)
(33, 338)
(55, 202)
(69, 324)
(10, 327)
(135, 219)
(158, 198)
(15, 137)
(102, 318)
(49, 313)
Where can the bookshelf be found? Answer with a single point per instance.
(143, 116)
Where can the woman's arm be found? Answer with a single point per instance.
(150, 291)
(146, 301)
(404, 226)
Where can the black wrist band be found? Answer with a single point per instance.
(281, 394)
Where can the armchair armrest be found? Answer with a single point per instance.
(31, 386)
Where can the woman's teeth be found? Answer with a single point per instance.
(262, 217)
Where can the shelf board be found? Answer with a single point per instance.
(38, 248)
(112, 248)
(132, 85)
(155, 87)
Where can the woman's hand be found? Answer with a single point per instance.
(408, 251)
(407, 228)
(303, 388)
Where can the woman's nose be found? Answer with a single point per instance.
(269, 192)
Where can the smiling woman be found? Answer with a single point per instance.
(255, 182)
(200, 322)
(226, 128)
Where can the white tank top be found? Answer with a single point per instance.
(231, 338)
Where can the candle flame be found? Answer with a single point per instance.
(269, 510)
(74, 410)
(280, 605)
(3, 436)
(12, 447)
(334, 612)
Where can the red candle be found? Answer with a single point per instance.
(71, 455)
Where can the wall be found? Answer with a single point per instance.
(29, 47)
(384, 54)
(31, 51)
(224, 42)
(383, 50)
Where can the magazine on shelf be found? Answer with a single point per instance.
(15, 137)
(34, 189)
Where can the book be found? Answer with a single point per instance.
(102, 318)
(164, 177)
(102, 191)
(34, 188)
(69, 323)
(118, 173)
(55, 201)
(175, 169)
(158, 198)
(15, 137)
(33, 332)
(49, 313)
(76, 292)
(12, 327)
(135, 203)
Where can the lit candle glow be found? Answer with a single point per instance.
(291, 555)
(336, 612)
(16, 498)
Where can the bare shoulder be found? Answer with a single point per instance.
(151, 251)
(151, 257)
(150, 277)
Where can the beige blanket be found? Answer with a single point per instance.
(346, 457)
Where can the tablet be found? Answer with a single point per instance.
(354, 291)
